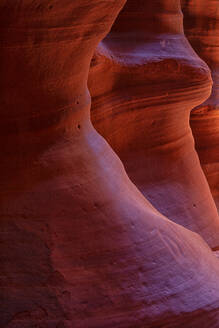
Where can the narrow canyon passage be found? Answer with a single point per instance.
(144, 80)
(80, 245)
(201, 21)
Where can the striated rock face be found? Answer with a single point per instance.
(201, 20)
(80, 246)
(145, 79)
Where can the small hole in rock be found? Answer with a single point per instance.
(40, 7)
(79, 126)
(194, 205)
(51, 6)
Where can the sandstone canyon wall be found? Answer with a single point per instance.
(201, 21)
(145, 79)
(81, 247)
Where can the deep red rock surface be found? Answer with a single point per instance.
(201, 21)
(80, 246)
(145, 79)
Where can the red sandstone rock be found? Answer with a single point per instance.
(202, 28)
(145, 79)
(80, 246)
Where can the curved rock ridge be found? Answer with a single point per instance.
(80, 245)
(201, 20)
(144, 80)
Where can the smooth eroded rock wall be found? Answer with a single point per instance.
(201, 21)
(81, 247)
(144, 80)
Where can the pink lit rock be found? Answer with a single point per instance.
(80, 246)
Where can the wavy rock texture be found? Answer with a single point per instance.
(145, 79)
(202, 28)
(80, 246)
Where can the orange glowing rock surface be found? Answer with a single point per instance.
(201, 21)
(144, 80)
